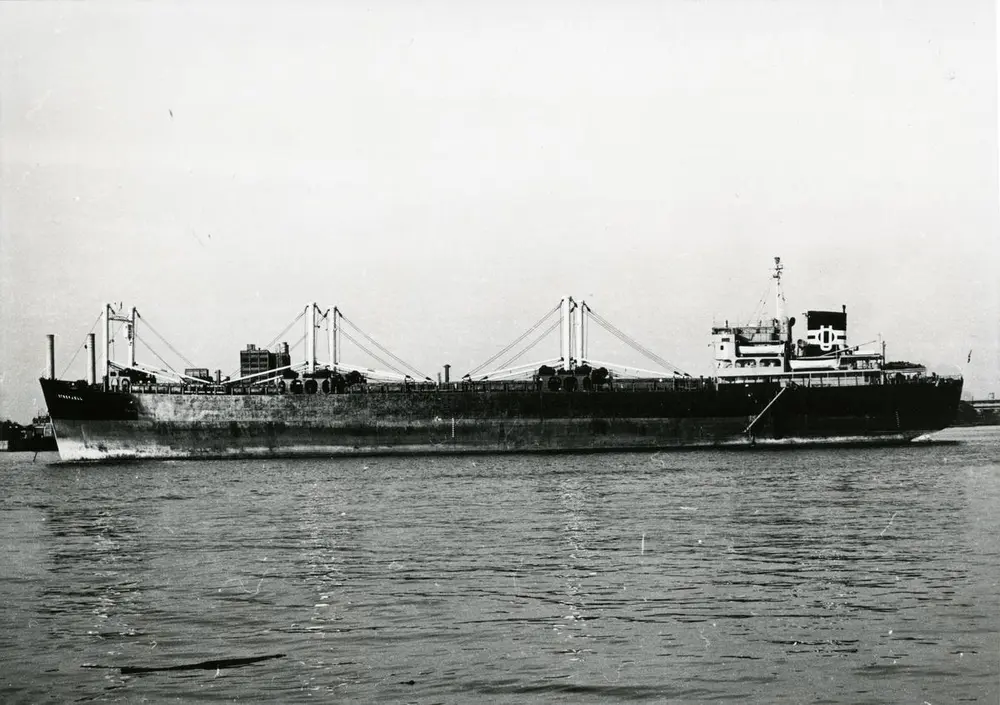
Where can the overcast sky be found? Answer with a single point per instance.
(445, 172)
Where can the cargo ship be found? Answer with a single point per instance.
(768, 388)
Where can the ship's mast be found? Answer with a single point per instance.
(115, 315)
(779, 312)
(565, 331)
(336, 335)
(310, 316)
(130, 335)
(333, 332)
(578, 332)
(107, 345)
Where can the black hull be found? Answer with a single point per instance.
(92, 424)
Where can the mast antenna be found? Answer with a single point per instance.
(779, 293)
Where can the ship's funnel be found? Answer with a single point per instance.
(826, 332)
(91, 359)
(52, 356)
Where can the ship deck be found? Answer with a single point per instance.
(826, 378)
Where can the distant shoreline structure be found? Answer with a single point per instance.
(978, 412)
(37, 436)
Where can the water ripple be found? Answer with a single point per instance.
(801, 576)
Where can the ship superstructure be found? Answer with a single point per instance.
(771, 349)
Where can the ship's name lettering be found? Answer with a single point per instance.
(72, 397)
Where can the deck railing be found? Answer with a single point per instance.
(825, 379)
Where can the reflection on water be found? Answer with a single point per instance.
(793, 576)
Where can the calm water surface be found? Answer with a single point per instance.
(827, 576)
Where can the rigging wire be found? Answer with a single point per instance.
(382, 348)
(165, 341)
(759, 308)
(82, 345)
(157, 355)
(537, 340)
(834, 353)
(290, 349)
(515, 342)
(114, 338)
(631, 342)
(381, 361)
(287, 328)
(276, 338)
(385, 350)
(296, 344)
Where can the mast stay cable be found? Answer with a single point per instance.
(382, 348)
(521, 337)
(276, 338)
(758, 310)
(364, 349)
(164, 341)
(537, 340)
(287, 328)
(157, 355)
(634, 344)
